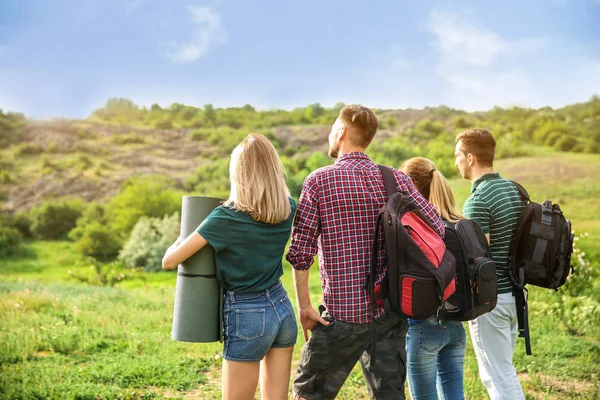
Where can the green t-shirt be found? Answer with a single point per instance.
(495, 204)
(248, 253)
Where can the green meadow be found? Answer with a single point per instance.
(63, 338)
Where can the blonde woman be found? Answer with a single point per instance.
(435, 350)
(249, 233)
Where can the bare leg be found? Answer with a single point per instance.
(275, 374)
(240, 379)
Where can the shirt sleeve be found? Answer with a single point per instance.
(477, 210)
(293, 206)
(429, 211)
(306, 228)
(214, 229)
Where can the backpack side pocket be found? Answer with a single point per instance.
(485, 282)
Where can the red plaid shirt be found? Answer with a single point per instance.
(336, 216)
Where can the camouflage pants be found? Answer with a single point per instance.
(332, 351)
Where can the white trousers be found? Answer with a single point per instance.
(494, 337)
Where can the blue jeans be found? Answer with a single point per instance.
(435, 357)
(256, 322)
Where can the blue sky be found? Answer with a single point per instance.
(66, 57)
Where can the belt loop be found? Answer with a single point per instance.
(232, 296)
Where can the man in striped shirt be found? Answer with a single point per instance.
(495, 204)
(335, 219)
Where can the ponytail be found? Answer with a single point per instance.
(440, 195)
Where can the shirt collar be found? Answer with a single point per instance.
(356, 155)
(491, 175)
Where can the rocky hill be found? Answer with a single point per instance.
(57, 159)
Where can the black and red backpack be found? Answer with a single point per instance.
(420, 269)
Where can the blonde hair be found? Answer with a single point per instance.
(258, 184)
(433, 186)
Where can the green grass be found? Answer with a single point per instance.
(64, 340)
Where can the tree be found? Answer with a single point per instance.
(210, 115)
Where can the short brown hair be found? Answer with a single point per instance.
(361, 122)
(480, 143)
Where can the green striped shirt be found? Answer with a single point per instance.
(495, 205)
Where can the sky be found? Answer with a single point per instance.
(65, 58)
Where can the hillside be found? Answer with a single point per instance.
(189, 146)
(57, 159)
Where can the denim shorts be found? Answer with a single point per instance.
(255, 322)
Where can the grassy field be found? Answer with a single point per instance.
(61, 339)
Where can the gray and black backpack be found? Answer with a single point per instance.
(540, 253)
(476, 281)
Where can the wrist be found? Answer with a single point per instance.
(305, 307)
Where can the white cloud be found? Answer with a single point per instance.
(207, 31)
(478, 64)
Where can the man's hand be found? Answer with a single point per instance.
(309, 319)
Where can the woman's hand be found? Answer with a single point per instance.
(173, 246)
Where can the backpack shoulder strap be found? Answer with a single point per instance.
(389, 179)
(522, 192)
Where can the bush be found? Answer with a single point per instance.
(93, 212)
(149, 240)
(10, 127)
(98, 240)
(28, 149)
(10, 240)
(19, 221)
(211, 178)
(22, 223)
(5, 176)
(95, 237)
(53, 220)
(94, 273)
(141, 197)
(565, 143)
(164, 124)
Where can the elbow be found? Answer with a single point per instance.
(168, 264)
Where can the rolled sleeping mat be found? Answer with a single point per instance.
(197, 315)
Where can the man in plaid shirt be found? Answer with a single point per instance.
(335, 218)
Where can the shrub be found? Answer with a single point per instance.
(164, 124)
(149, 240)
(98, 240)
(53, 220)
(22, 223)
(27, 149)
(93, 273)
(93, 212)
(129, 139)
(95, 237)
(10, 127)
(81, 162)
(141, 197)
(211, 178)
(565, 143)
(10, 240)
(19, 221)
(5, 176)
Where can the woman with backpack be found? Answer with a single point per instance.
(249, 233)
(435, 350)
